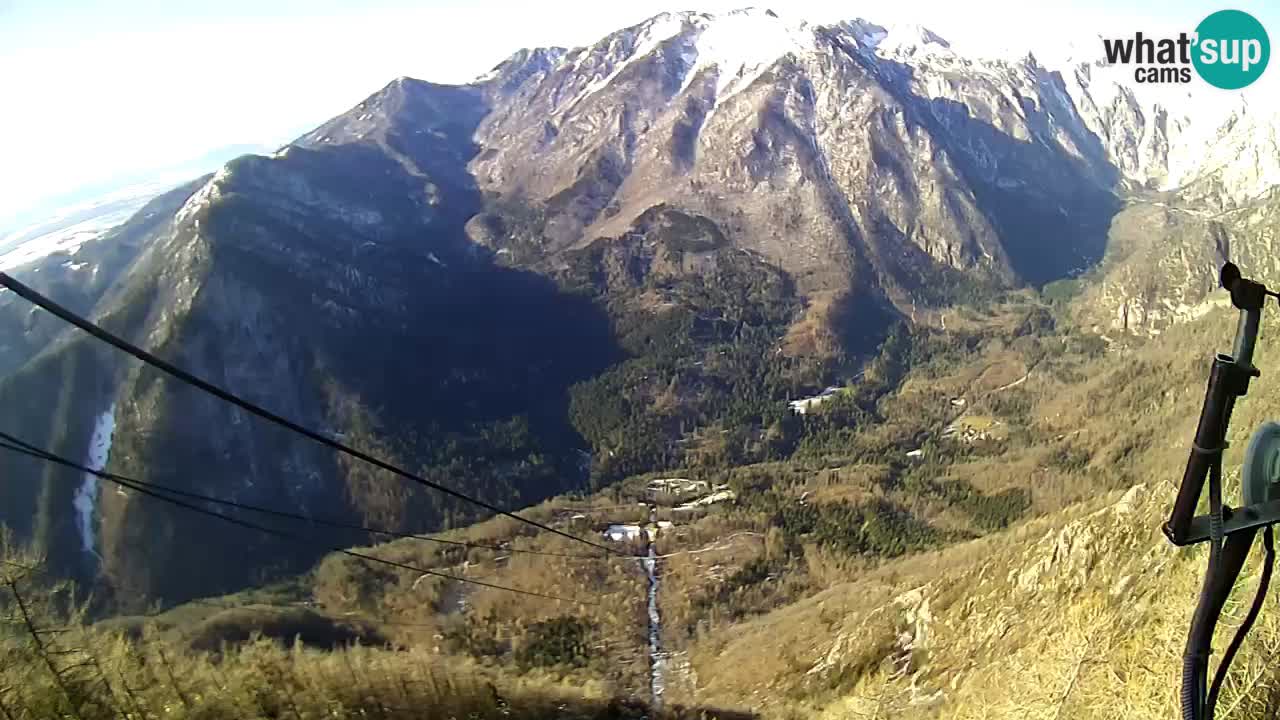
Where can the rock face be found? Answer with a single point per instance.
(1162, 262)
(864, 159)
(397, 276)
(841, 156)
(1200, 169)
(333, 284)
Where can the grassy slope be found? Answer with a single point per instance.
(1081, 613)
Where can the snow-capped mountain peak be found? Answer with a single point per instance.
(895, 40)
(738, 46)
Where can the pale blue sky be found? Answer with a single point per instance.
(91, 90)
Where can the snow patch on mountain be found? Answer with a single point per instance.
(737, 46)
(896, 41)
(202, 197)
(741, 45)
(629, 46)
(86, 497)
(909, 41)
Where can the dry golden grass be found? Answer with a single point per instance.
(998, 374)
(812, 335)
(54, 665)
(1079, 613)
(607, 593)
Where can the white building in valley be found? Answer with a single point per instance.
(624, 533)
(804, 405)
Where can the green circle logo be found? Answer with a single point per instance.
(1232, 49)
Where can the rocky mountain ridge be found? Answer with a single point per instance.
(896, 136)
